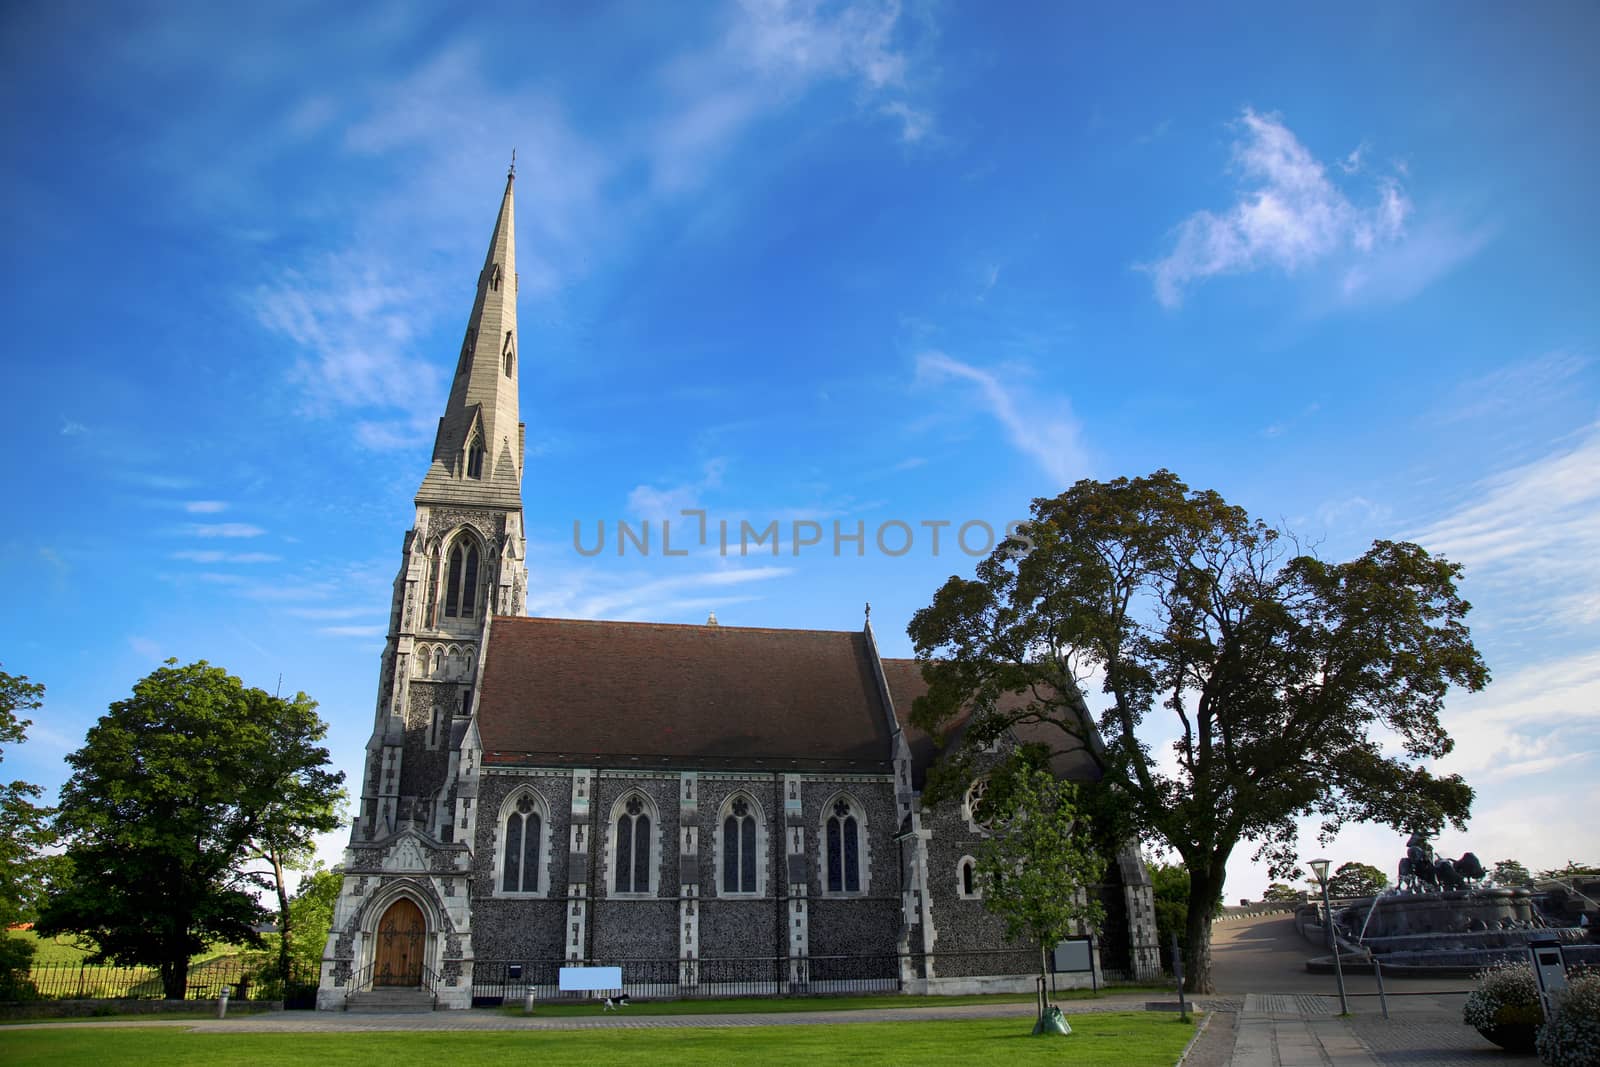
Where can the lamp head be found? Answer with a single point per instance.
(1320, 869)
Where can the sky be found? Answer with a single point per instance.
(829, 263)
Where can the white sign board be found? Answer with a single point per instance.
(590, 979)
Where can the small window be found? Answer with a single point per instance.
(511, 355)
(844, 850)
(520, 873)
(475, 459)
(967, 879)
(739, 848)
(633, 848)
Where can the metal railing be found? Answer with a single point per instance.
(510, 981)
(245, 979)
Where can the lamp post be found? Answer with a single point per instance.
(1320, 869)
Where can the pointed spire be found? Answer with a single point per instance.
(478, 452)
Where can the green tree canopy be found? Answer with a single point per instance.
(25, 829)
(168, 794)
(1280, 893)
(1511, 872)
(1274, 671)
(1357, 880)
(1038, 859)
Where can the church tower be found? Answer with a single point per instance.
(403, 911)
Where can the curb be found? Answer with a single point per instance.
(1199, 1032)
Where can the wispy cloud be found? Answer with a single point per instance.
(1289, 215)
(73, 428)
(353, 631)
(329, 613)
(205, 507)
(669, 502)
(145, 648)
(1045, 431)
(590, 595)
(217, 556)
(223, 529)
(1534, 530)
(1515, 387)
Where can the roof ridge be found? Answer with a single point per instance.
(720, 627)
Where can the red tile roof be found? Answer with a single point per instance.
(906, 684)
(574, 692)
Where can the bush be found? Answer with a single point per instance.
(1507, 995)
(16, 958)
(1572, 1036)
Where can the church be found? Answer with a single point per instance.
(716, 809)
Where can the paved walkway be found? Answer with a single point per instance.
(1298, 1025)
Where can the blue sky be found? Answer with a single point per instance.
(831, 262)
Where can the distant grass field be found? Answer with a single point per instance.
(61, 950)
(1131, 1039)
(59, 969)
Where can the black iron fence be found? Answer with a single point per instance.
(244, 979)
(510, 981)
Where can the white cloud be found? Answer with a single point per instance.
(1534, 530)
(145, 648)
(1289, 215)
(1044, 430)
(590, 595)
(652, 502)
(205, 507)
(224, 529)
(353, 631)
(216, 556)
(72, 428)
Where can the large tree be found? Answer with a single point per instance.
(25, 829)
(167, 795)
(1243, 685)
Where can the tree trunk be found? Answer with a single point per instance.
(1203, 892)
(284, 932)
(175, 978)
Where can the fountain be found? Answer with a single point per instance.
(1445, 917)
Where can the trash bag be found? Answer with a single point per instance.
(1051, 1023)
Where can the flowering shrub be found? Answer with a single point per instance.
(1572, 1036)
(1507, 994)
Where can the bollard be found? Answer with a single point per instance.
(1377, 972)
(222, 1004)
(527, 1003)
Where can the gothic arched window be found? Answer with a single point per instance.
(739, 850)
(519, 871)
(843, 849)
(461, 583)
(475, 457)
(510, 354)
(632, 864)
(967, 879)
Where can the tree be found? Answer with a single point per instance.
(1273, 670)
(1357, 880)
(1279, 893)
(1035, 865)
(167, 794)
(1169, 886)
(1511, 872)
(312, 909)
(25, 829)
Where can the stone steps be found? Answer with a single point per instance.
(390, 1001)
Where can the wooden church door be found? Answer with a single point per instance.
(402, 933)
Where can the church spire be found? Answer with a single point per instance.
(478, 452)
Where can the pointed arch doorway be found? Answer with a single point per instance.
(402, 936)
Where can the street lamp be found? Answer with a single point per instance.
(1320, 869)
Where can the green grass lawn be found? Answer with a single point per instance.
(753, 1005)
(1128, 1039)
